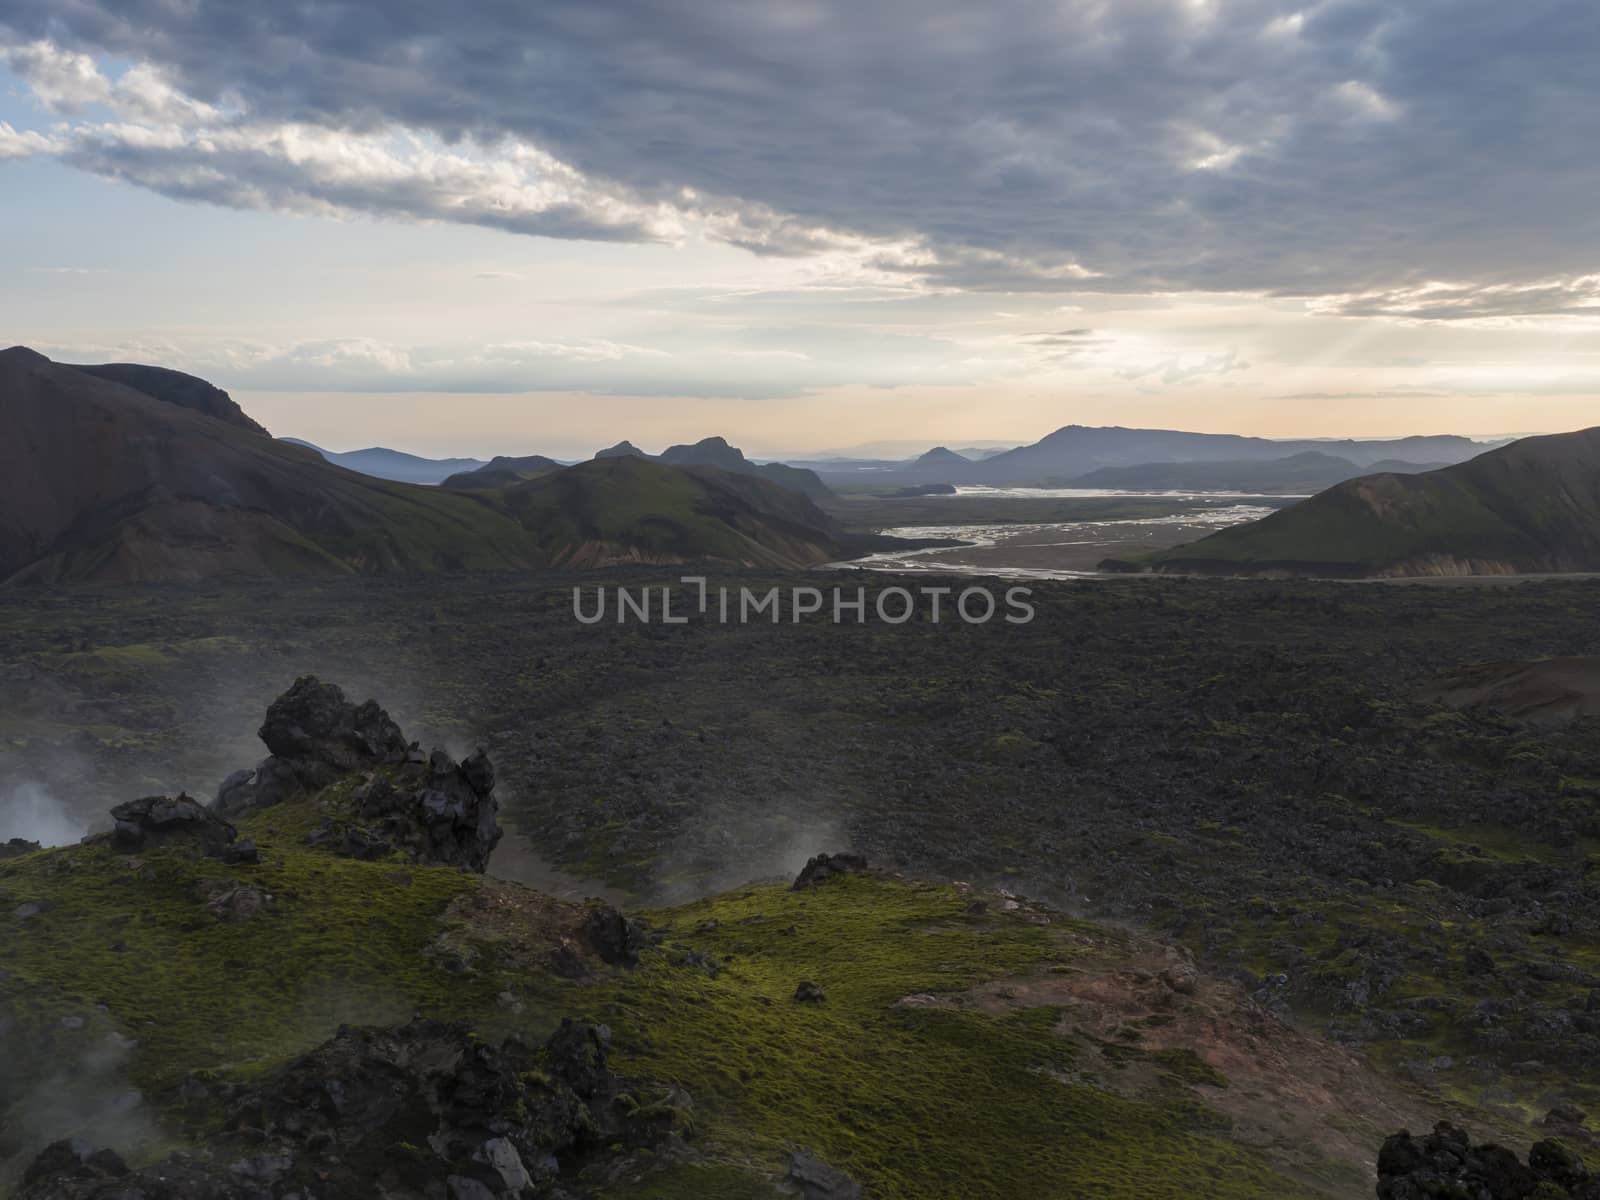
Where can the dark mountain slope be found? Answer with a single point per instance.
(186, 391)
(100, 482)
(1532, 506)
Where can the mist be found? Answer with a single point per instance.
(30, 812)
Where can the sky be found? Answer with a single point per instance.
(809, 225)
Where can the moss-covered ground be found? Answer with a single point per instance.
(1244, 767)
(915, 1102)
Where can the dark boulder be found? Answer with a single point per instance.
(313, 724)
(825, 866)
(1446, 1163)
(15, 847)
(612, 936)
(161, 820)
(810, 993)
(812, 1179)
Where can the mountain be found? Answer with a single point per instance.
(623, 449)
(1073, 451)
(1311, 470)
(100, 482)
(707, 452)
(174, 387)
(941, 457)
(1532, 506)
(628, 508)
(383, 463)
(716, 452)
(502, 471)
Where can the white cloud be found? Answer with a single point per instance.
(64, 81)
(22, 144)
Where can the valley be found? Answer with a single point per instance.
(1252, 770)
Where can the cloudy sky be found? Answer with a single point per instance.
(808, 224)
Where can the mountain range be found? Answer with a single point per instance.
(716, 452)
(1310, 470)
(102, 481)
(383, 463)
(1073, 451)
(1530, 507)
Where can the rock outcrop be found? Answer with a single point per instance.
(428, 808)
(422, 1111)
(1445, 1163)
(161, 820)
(812, 1179)
(15, 847)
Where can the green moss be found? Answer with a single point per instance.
(943, 1096)
(916, 1101)
(343, 942)
(1184, 1064)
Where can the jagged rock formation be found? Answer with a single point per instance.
(422, 1111)
(1445, 1165)
(429, 808)
(158, 820)
(14, 847)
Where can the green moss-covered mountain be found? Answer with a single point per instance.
(129, 473)
(629, 509)
(1532, 506)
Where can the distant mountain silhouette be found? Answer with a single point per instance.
(940, 456)
(623, 449)
(1532, 506)
(1073, 451)
(1309, 471)
(186, 391)
(383, 463)
(1067, 455)
(502, 471)
(716, 452)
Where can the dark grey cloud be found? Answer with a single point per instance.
(1341, 148)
